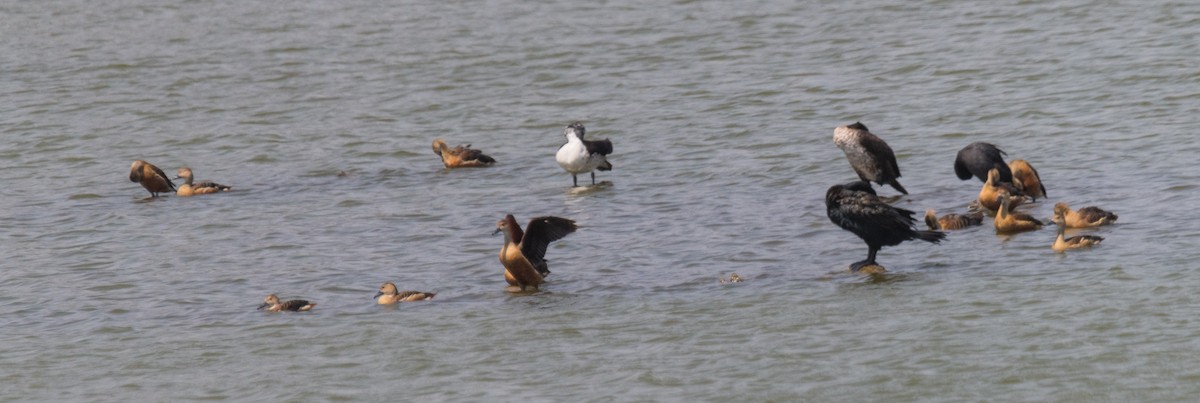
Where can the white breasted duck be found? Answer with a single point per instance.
(871, 157)
(524, 252)
(150, 177)
(583, 156)
(272, 304)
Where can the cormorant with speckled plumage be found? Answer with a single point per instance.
(855, 207)
(871, 157)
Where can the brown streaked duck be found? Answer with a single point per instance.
(1027, 178)
(523, 253)
(389, 294)
(272, 304)
(203, 187)
(988, 195)
(153, 179)
(870, 156)
(733, 278)
(951, 221)
(462, 156)
(1008, 221)
(1090, 216)
(1061, 243)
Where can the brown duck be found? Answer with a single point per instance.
(272, 304)
(523, 253)
(151, 178)
(1008, 221)
(951, 221)
(1090, 216)
(1061, 243)
(203, 187)
(462, 156)
(389, 294)
(1027, 178)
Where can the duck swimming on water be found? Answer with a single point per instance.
(856, 208)
(389, 294)
(523, 253)
(272, 304)
(203, 187)
(979, 157)
(1090, 216)
(461, 156)
(1061, 243)
(951, 221)
(871, 157)
(583, 156)
(1027, 178)
(988, 194)
(150, 177)
(1008, 221)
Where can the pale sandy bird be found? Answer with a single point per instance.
(389, 294)
(1061, 243)
(1008, 221)
(203, 187)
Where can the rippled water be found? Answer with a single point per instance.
(721, 115)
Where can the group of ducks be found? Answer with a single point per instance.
(857, 208)
(523, 253)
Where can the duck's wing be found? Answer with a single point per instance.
(471, 154)
(162, 175)
(540, 232)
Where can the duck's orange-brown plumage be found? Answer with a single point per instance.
(462, 156)
(523, 253)
(1062, 243)
(989, 194)
(150, 177)
(200, 188)
(1008, 221)
(389, 294)
(273, 304)
(1090, 216)
(1027, 178)
(951, 221)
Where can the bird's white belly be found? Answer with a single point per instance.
(576, 159)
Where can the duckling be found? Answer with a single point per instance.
(150, 177)
(1008, 222)
(1090, 216)
(1027, 178)
(272, 304)
(733, 278)
(388, 294)
(204, 187)
(524, 253)
(993, 187)
(462, 156)
(1076, 242)
(951, 221)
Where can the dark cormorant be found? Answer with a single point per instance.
(869, 155)
(977, 158)
(855, 207)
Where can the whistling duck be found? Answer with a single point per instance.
(1090, 216)
(993, 187)
(1027, 179)
(523, 253)
(272, 304)
(1076, 242)
(1008, 221)
(579, 156)
(951, 221)
(856, 208)
(462, 156)
(151, 178)
(388, 294)
(869, 155)
(204, 187)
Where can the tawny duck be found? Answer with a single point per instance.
(150, 177)
(462, 156)
(523, 253)
(1061, 243)
(870, 156)
(951, 221)
(993, 187)
(856, 208)
(1027, 178)
(272, 304)
(1009, 222)
(389, 294)
(203, 187)
(1090, 216)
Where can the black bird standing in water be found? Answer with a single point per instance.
(869, 155)
(977, 158)
(855, 207)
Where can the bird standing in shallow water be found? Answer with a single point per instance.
(578, 155)
(855, 207)
(977, 158)
(523, 254)
(389, 294)
(203, 187)
(871, 157)
(462, 156)
(150, 177)
(272, 304)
